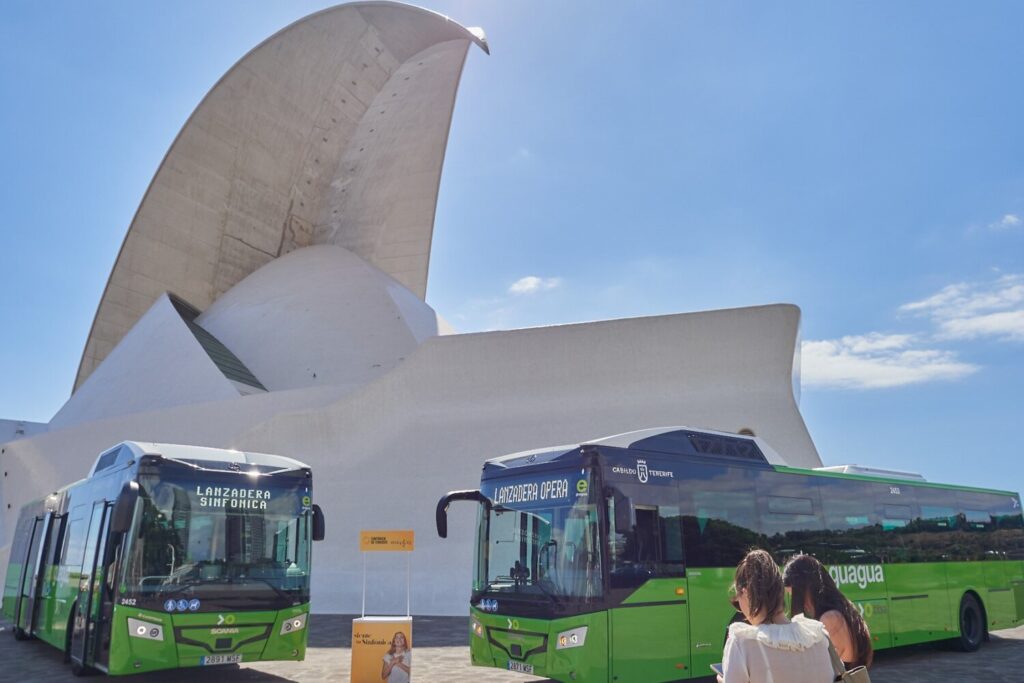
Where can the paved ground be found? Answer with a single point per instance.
(442, 657)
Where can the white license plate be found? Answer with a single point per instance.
(520, 667)
(220, 659)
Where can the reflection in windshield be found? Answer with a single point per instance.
(541, 539)
(224, 530)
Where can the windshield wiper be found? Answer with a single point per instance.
(555, 598)
(170, 589)
(280, 591)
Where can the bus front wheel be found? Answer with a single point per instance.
(19, 633)
(972, 624)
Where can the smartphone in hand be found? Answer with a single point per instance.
(717, 668)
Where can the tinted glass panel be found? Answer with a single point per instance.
(719, 514)
(988, 527)
(854, 533)
(651, 544)
(790, 506)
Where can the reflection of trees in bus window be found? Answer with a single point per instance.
(790, 513)
(720, 518)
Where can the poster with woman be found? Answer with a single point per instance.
(382, 650)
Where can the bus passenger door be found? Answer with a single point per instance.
(35, 589)
(24, 607)
(649, 622)
(85, 631)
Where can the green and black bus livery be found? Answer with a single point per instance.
(168, 556)
(612, 560)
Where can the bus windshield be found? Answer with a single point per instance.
(214, 540)
(539, 538)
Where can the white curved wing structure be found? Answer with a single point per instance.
(332, 131)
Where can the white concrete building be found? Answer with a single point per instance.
(269, 297)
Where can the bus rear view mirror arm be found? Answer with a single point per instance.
(446, 500)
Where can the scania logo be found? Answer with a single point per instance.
(641, 471)
(222, 631)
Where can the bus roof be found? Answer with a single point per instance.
(711, 443)
(136, 449)
(889, 479)
(670, 440)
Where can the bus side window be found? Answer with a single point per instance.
(930, 537)
(1007, 538)
(896, 505)
(790, 514)
(720, 518)
(652, 548)
(979, 525)
(645, 540)
(58, 543)
(853, 528)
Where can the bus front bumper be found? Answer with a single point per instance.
(145, 640)
(566, 649)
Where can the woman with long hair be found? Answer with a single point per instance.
(398, 660)
(771, 648)
(816, 595)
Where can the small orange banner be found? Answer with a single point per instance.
(393, 540)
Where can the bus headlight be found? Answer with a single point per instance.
(145, 629)
(293, 624)
(574, 638)
(476, 627)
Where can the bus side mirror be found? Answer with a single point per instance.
(441, 513)
(124, 508)
(318, 523)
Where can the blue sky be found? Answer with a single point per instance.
(864, 161)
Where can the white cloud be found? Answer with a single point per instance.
(1008, 326)
(1007, 222)
(876, 361)
(972, 310)
(532, 284)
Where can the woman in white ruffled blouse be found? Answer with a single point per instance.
(771, 648)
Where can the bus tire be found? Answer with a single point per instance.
(972, 624)
(19, 633)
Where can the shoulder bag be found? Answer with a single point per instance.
(857, 675)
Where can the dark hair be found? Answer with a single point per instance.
(758, 574)
(811, 583)
(394, 648)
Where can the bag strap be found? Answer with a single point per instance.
(838, 668)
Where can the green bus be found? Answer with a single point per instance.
(168, 556)
(612, 560)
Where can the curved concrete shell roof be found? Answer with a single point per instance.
(332, 131)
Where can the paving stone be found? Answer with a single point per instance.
(443, 657)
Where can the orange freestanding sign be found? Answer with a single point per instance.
(374, 541)
(382, 646)
(382, 649)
